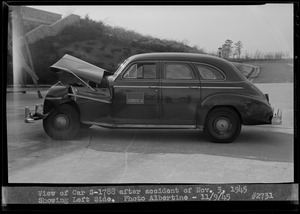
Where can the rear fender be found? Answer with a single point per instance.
(250, 109)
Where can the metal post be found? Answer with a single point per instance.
(25, 42)
(220, 51)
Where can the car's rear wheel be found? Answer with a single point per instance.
(63, 123)
(222, 125)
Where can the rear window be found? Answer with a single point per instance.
(209, 73)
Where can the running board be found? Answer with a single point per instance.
(149, 126)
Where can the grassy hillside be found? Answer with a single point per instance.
(98, 44)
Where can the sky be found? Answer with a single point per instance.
(266, 28)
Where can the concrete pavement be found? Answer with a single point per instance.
(90, 166)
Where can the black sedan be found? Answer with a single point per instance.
(155, 90)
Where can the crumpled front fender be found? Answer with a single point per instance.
(57, 95)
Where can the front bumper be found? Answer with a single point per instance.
(37, 115)
(277, 117)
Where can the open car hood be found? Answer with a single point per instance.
(79, 68)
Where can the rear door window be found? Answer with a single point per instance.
(178, 71)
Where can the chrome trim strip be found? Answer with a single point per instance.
(88, 98)
(154, 87)
(140, 125)
(189, 87)
(219, 82)
(204, 87)
(130, 86)
(53, 98)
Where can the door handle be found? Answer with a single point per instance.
(194, 87)
(153, 87)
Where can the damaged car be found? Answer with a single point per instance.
(155, 90)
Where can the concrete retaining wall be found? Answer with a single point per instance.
(51, 30)
(39, 15)
(39, 24)
(33, 18)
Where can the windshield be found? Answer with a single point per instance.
(121, 67)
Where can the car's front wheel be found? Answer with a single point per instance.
(63, 123)
(222, 125)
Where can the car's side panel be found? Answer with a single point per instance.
(94, 106)
(251, 110)
(93, 111)
(179, 102)
(179, 98)
(136, 101)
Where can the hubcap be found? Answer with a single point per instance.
(222, 125)
(61, 122)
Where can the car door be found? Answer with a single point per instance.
(180, 93)
(136, 95)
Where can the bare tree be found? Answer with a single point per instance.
(238, 48)
(279, 55)
(227, 48)
(287, 55)
(269, 56)
(248, 55)
(258, 54)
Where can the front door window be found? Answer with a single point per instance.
(141, 71)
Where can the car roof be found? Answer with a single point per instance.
(231, 72)
(172, 56)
